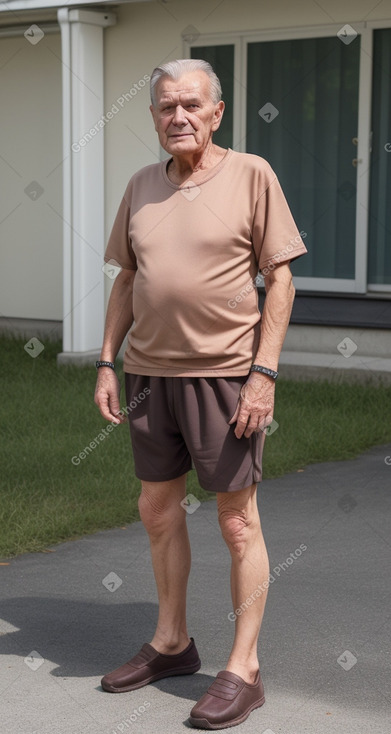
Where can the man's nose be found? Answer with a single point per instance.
(179, 116)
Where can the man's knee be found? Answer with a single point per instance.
(239, 523)
(235, 530)
(159, 511)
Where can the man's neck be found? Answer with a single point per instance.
(183, 168)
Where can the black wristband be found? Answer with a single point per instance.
(99, 363)
(264, 371)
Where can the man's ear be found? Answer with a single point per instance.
(152, 109)
(218, 115)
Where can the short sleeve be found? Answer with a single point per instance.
(275, 236)
(119, 246)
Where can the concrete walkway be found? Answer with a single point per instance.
(71, 615)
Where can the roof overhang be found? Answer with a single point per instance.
(15, 15)
(13, 6)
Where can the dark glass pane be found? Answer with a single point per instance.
(379, 252)
(313, 83)
(222, 60)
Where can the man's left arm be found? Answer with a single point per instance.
(256, 404)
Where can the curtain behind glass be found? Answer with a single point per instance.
(379, 253)
(313, 83)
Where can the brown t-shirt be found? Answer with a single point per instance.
(197, 250)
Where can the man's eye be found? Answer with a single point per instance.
(192, 105)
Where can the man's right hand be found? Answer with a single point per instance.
(107, 393)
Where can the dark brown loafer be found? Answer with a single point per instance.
(227, 702)
(150, 665)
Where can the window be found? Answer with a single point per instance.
(329, 102)
(313, 84)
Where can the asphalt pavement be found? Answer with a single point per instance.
(81, 609)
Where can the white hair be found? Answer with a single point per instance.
(176, 69)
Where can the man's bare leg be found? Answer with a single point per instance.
(165, 522)
(241, 529)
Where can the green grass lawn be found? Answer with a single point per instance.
(48, 416)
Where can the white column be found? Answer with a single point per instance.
(83, 181)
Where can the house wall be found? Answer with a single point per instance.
(30, 156)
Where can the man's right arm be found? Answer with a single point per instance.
(119, 318)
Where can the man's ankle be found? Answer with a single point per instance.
(171, 646)
(247, 671)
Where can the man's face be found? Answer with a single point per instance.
(184, 114)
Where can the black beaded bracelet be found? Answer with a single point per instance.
(264, 371)
(104, 364)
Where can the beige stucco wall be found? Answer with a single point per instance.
(31, 151)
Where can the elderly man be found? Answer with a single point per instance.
(191, 235)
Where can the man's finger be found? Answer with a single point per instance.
(251, 427)
(114, 405)
(107, 414)
(235, 415)
(265, 422)
(241, 424)
(116, 414)
(109, 407)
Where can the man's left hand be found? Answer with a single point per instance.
(254, 411)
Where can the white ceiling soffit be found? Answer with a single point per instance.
(17, 5)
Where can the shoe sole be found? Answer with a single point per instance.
(152, 678)
(205, 724)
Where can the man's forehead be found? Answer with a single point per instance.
(187, 85)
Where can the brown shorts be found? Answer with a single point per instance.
(180, 423)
